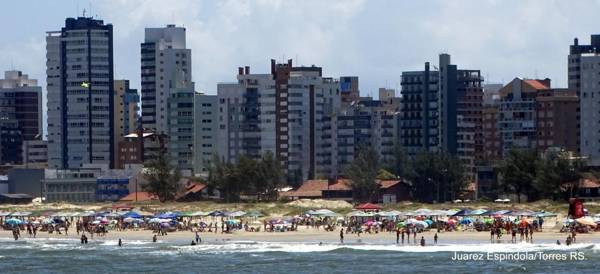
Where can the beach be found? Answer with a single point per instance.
(306, 251)
(313, 235)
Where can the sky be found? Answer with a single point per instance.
(375, 40)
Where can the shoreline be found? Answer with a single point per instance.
(311, 235)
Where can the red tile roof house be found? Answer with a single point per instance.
(194, 191)
(391, 191)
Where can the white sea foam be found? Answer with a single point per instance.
(303, 248)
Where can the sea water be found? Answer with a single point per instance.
(104, 256)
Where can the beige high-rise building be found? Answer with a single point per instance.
(125, 116)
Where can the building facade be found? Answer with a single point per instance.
(35, 153)
(126, 108)
(366, 122)
(205, 131)
(181, 128)
(589, 94)
(21, 100)
(420, 111)
(287, 112)
(162, 53)
(517, 113)
(72, 185)
(460, 106)
(555, 120)
(80, 94)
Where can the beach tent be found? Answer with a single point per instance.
(358, 214)
(238, 213)
(254, 214)
(422, 211)
(368, 206)
(217, 213)
(463, 212)
(132, 220)
(20, 214)
(322, 212)
(386, 214)
(499, 213)
(527, 213)
(438, 213)
(478, 212)
(169, 215)
(131, 214)
(199, 214)
(451, 212)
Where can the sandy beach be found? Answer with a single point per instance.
(312, 235)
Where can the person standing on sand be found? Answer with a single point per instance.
(402, 236)
(492, 235)
(342, 235)
(514, 236)
(531, 235)
(397, 236)
(573, 236)
(198, 238)
(422, 241)
(415, 234)
(435, 238)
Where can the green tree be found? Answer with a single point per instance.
(383, 174)
(222, 176)
(557, 175)
(271, 176)
(162, 179)
(400, 164)
(436, 177)
(362, 172)
(518, 172)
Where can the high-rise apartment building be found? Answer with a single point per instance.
(20, 115)
(420, 110)
(205, 131)
(180, 120)
(517, 113)
(126, 108)
(162, 53)
(288, 112)
(366, 122)
(460, 105)
(21, 99)
(583, 72)
(79, 63)
(555, 120)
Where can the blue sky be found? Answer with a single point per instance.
(375, 40)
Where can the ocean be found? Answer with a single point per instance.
(104, 256)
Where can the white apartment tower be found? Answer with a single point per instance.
(162, 54)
